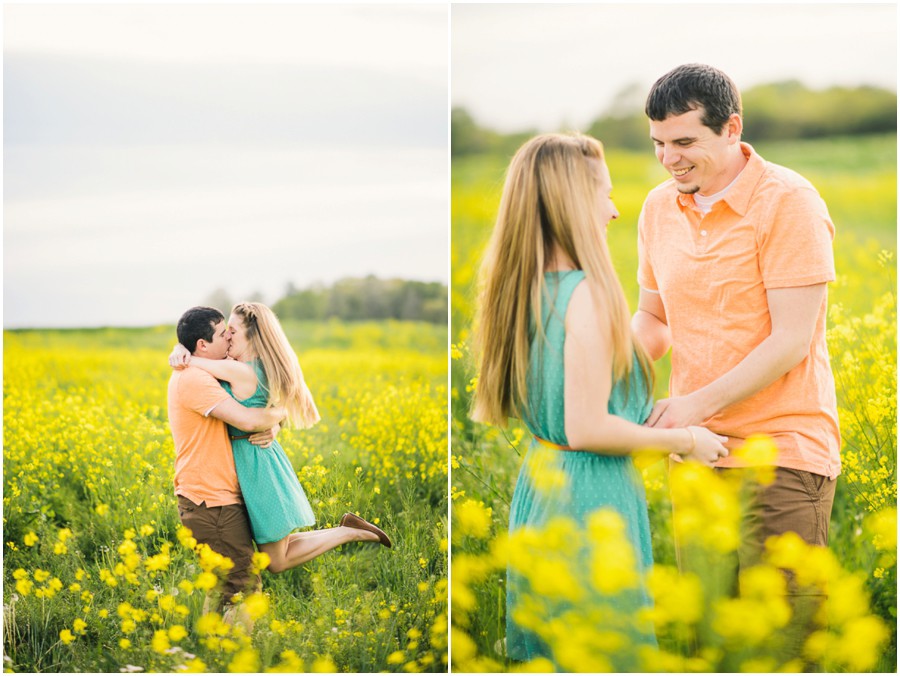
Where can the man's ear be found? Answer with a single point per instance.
(201, 347)
(734, 128)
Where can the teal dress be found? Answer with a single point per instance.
(274, 498)
(592, 482)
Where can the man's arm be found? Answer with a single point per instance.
(649, 325)
(793, 313)
(247, 419)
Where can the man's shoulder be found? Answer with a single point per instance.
(192, 378)
(779, 177)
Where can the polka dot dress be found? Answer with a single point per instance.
(592, 481)
(275, 500)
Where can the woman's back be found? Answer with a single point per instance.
(590, 482)
(546, 372)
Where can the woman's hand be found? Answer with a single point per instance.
(708, 446)
(264, 439)
(180, 358)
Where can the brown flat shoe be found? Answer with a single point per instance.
(352, 521)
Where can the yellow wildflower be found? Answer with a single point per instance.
(245, 661)
(323, 665)
(257, 605)
(472, 519)
(160, 641)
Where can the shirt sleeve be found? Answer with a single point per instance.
(645, 276)
(795, 242)
(199, 391)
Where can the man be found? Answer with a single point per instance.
(209, 497)
(734, 257)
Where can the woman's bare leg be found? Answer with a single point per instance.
(298, 548)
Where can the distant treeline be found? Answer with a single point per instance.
(782, 110)
(366, 298)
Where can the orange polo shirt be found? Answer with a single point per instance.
(204, 464)
(770, 231)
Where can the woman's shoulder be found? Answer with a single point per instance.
(583, 314)
(581, 302)
(259, 370)
(560, 285)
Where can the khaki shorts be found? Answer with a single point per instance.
(226, 530)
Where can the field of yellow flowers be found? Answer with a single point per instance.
(98, 573)
(699, 628)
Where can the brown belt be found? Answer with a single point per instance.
(550, 444)
(235, 437)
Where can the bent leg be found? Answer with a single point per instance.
(298, 548)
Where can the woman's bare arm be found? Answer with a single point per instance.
(588, 385)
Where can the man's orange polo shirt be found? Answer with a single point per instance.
(204, 464)
(770, 231)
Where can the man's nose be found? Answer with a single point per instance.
(670, 156)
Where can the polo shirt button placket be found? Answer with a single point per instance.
(702, 240)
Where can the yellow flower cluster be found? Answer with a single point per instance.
(864, 350)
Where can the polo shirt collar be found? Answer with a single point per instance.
(741, 192)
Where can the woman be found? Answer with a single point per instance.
(555, 349)
(262, 370)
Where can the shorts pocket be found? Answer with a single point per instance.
(813, 483)
(185, 506)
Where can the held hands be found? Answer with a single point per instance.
(707, 448)
(264, 439)
(180, 358)
(678, 412)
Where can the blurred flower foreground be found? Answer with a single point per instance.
(700, 626)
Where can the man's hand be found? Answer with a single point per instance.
(180, 358)
(264, 439)
(678, 412)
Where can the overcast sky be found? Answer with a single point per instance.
(155, 153)
(520, 66)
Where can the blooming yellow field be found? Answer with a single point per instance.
(700, 627)
(100, 576)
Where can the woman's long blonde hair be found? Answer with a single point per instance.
(550, 201)
(286, 384)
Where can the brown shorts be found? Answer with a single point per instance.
(226, 530)
(797, 501)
